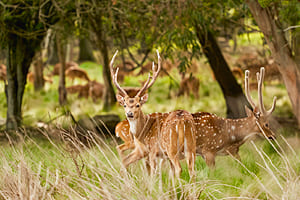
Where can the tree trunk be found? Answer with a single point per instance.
(62, 78)
(20, 54)
(38, 72)
(109, 94)
(2, 56)
(269, 24)
(85, 50)
(52, 50)
(232, 91)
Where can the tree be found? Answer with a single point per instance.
(38, 69)
(266, 17)
(232, 91)
(99, 26)
(52, 50)
(23, 26)
(85, 50)
(61, 51)
(194, 27)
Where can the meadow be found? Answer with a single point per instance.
(51, 162)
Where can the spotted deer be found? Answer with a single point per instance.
(219, 136)
(157, 134)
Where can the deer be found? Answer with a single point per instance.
(30, 78)
(189, 84)
(154, 135)
(76, 72)
(96, 90)
(3, 72)
(82, 90)
(58, 65)
(220, 136)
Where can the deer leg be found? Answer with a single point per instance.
(210, 159)
(173, 156)
(235, 154)
(139, 152)
(152, 161)
(148, 166)
(123, 147)
(134, 156)
(190, 158)
(172, 171)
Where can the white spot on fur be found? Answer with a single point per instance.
(233, 138)
(233, 128)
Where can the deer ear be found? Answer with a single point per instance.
(248, 111)
(120, 99)
(144, 98)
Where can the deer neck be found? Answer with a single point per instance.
(240, 130)
(137, 125)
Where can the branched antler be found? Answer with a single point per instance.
(148, 84)
(114, 76)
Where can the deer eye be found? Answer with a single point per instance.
(267, 125)
(124, 105)
(137, 105)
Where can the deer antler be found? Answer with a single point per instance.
(147, 85)
(247, 90)
(260, 77)
(114, 76)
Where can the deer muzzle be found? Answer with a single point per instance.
(129, 114)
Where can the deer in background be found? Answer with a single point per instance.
(96, 90)
(2, 72)
(58, 65)
(219, 136)
(154, 135)
(76, 72)
(189, 84)
(30, 78)
(82, 90)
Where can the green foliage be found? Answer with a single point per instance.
(265, 3)
(29, 19)
(290, 12)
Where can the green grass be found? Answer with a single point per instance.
(54, 168)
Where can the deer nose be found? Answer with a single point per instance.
(129, 114)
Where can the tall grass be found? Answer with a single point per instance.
(60, 166)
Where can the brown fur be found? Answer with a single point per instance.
(189, 84)
(96, 90)
(82, 90)
(2, 72)
(76, 72)
(30, 78)
(68, 65)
